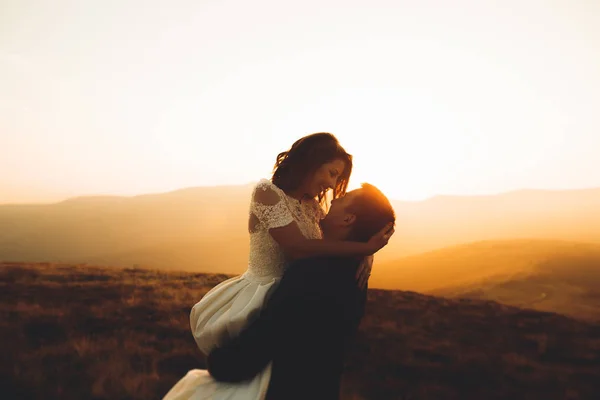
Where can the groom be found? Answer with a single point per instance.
(312, 314)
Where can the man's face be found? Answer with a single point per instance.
(339, 215)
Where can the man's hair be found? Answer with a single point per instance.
(373, 212)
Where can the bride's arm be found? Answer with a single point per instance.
(269, 208)
(296, 246)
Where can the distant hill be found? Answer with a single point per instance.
(205, 228)
(442, 221)
(81, 332)
(187, 225)
(546, 275)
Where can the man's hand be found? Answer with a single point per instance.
(364, 271)
(226, 364)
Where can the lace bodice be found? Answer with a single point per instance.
(270, 208)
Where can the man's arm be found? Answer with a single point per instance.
(246, 355)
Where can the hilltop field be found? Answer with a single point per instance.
(83, 332)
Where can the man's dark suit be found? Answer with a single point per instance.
(303, 329)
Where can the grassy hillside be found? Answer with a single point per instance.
(473, 263)
(80, 332)
(567, 283)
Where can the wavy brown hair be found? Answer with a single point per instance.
(304, 158)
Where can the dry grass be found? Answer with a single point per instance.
(80, 332)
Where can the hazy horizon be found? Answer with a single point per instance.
(58, 199)
(190, 228)
(432, 98)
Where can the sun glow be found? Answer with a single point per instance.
(450, 101)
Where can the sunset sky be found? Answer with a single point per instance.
(431, 97)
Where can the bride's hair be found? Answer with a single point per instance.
(306, 156)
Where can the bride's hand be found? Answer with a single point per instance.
(381, 238)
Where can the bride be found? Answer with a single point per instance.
(283, 224)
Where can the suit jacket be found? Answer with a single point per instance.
(304, 330)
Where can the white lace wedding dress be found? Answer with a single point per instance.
(227, 308)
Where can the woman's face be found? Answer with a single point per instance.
(325, 177)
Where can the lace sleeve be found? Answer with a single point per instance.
(269, 207)
(321, 213)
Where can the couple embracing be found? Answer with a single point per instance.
(280, 330)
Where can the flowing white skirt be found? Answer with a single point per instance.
(221, 314)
